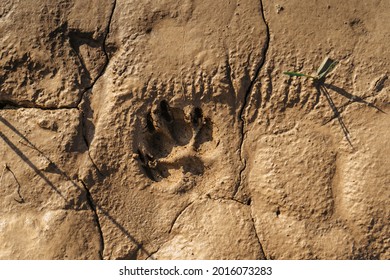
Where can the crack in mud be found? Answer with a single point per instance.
(92, 205)
(178, 215)
(257, 235)
(252, 219)
(88, 153)
(28, 105)
(150, 255)
(12, 105)
(83, 130)
(243, 120)
(107, 60)
(246, 98)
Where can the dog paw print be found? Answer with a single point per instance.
(171, 140)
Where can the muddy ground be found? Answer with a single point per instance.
(167, 130)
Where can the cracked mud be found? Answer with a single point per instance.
(156, 130)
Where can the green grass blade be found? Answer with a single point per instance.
(328, 70)
(295, 74)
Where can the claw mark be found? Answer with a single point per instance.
(149, 123)
(196, 117)
(145, 160)
(165, 111)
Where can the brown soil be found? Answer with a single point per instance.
(167, 130)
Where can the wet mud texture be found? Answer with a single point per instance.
(162, 130)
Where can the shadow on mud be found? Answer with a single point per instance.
(54, 168)
(322, 88)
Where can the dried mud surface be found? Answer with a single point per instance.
(167, 130)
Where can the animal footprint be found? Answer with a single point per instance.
(171, 142)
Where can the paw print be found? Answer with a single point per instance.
(171, 141)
